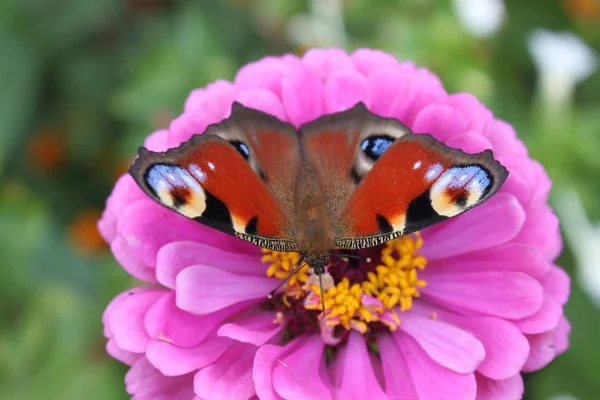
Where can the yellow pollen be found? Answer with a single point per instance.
(395, 281)
(387, 290)
(280, 265)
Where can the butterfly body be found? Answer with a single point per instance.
(348, 180)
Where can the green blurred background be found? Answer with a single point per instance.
(82, 82)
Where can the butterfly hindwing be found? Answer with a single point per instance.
(417, 182)
(227, 177)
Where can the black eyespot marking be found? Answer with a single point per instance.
(241, 148)
(384, 224)
(252, 225)
(354, 176)
(216, 210)
(461, 200)
(375, 146)
(420, 213)
(178, 200)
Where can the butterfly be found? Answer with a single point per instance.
(345, 181)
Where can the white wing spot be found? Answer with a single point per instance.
(433, 172)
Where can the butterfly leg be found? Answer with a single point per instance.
(295, 269)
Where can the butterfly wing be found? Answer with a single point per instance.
(383, 181)
(236, 177)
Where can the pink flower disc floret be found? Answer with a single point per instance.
(455, 312)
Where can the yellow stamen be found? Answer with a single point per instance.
(395, 282)
(390, 287)
(280, 265)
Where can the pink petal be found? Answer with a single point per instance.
(541, 229)
(189, 123)
(516, 184)
(230, 377)
(446, 344)
(504, 138)
(561, 336)
(171, 360)
(426, 94)
(117, 302)
(491, 224)
(202, 289)
(263, 100)
(440, 121)
(125, 357)
(384, 94)
(138, 223)
(214, 100)
(431, 380)
(176, 256)
(267, 358)
(256, 328)
(125, 192)
(164, 321)
(469, 142)
(264, 74)
(506, 389)
(506, 348)
(357, 383)
(296, 376)
(477, 114)
(542, 351)
(302, 94)
(121, 249)
(368, 60)
(344, 89)
(545, 319)
(326, 61)
(157, 141)
(503, 294)
(126, 319)
(558, 284)
(146, 383)
(543, 183)
(398, 381)
(507, 257)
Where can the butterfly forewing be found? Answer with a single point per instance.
(417, 182)
(226, 178)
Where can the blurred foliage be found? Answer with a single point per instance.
(83, 82)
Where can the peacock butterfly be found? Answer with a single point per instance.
(348, 180)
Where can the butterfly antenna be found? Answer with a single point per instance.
(322, 292)
(295, 269)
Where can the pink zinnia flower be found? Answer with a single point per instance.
(455, 312)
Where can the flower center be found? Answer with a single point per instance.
(368, 292)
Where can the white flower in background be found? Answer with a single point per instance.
(563, 396)
(323, 26)
(563, 60)
(482, 18)
(584, 238)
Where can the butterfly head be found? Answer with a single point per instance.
(317, 261)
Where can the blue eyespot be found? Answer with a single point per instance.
(167, 177)
(375, 146)
(469, 177)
